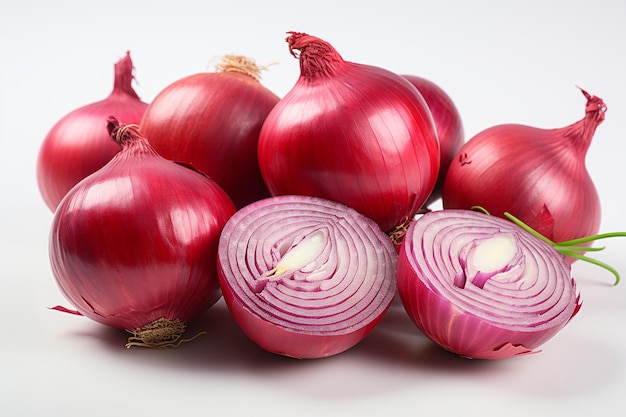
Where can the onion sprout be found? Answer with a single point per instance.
(571, 247)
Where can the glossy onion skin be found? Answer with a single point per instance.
(137, 241)
(79, 144)
(510, 314)
(352, 133)
(299, 315)
(448, 124)
(212, 121)
(538, 175)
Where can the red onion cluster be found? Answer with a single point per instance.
(290, 208)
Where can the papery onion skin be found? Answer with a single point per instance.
(538, 175)
(212, 121)
(79, 144)
(352, 133)
(137, 240)
(448, 124)
(297, 315)
(510, 314)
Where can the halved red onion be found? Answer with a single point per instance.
(481, 286)
(305, 277)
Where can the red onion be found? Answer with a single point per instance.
(448, 125)
(134, 245)
(78, 144)
(482, 287)
(353, 133)
(305, 277)
(212, 121)
(538, 175)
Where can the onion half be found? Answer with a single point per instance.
(482, 287)
(305, 277)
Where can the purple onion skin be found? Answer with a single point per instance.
(536, 174)
(212, 121)
(353, 133)
(78, 144)
(285, 342)
(137, 240)
(448, 124)
(447, 314)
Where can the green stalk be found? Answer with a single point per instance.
(592, 238)
(570, 247)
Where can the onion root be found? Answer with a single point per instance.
(397, 233)
(161, 333)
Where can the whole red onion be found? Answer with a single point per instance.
(305, 277)
(482, 287)
(212, 121)
(448, 124)
(538, 175)
(78, 144)
(134, 245)
(352, 133)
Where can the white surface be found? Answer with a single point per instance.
(499, 61)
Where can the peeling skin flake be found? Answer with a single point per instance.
(506, 351)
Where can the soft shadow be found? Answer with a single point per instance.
(557, 370)
(395, 356)
(222, 346)
(218, 345)
(397, 341)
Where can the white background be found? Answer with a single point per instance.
(499, 61)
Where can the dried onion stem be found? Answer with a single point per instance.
(240, 63)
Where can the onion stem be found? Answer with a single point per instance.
(592, 238)
(570, 247)
(242, 64)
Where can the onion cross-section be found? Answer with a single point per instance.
(482, 287)
(305, 277)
